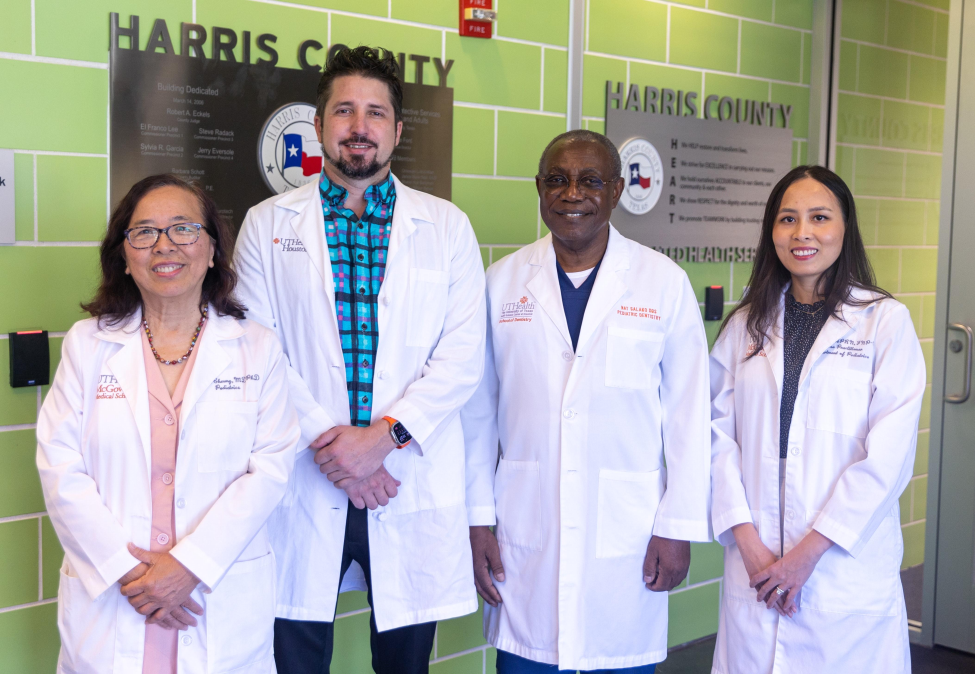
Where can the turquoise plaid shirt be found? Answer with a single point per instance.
(357, 248)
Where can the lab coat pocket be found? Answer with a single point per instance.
(631, 357)
(517, 493)
(839, 401)
(240, 618)
(86, 625)
(627, 504)
(428, 306)
(225, 431)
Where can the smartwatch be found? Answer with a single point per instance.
(398, 433)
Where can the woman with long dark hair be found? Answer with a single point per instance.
(816, 385)
(167, 439)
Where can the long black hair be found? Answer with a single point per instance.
(769, 276)
(118, 297)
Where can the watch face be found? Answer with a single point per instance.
(402, 435)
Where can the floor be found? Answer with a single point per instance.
(696, 659)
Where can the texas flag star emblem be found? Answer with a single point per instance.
(294, 156)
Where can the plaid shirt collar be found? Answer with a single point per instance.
(334, 195)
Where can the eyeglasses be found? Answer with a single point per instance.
(182, 234)
(587, 183)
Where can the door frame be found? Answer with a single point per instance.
(925, 636)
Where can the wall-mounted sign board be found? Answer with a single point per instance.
(245, 130)
(696, 187)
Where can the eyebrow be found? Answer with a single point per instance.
(588, 170)
(814, 208)
(150, 221)
(377, 106)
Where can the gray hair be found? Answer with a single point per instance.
(589, 137)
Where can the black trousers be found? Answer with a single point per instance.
(305, 647)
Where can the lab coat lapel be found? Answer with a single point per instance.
(609, 287)
(774, 348)
(308, 224)
(127, 365)
(211, 360)
(544, 286)
(407, 208)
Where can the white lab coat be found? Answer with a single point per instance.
(581, 484)
(429, 360)
(236, 450)
(851, 454)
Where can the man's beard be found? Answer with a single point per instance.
(357, 168)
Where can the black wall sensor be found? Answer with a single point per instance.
(713, 303)
(30, 359)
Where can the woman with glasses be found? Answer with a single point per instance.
(816, 385)
(166, 440)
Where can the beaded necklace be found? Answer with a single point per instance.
(196, 335)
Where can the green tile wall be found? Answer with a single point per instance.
(510, 99)
(889, 136)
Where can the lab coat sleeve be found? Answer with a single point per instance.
(729, 505)
(479, 417)
(868, 490)
(454, 369)
(243, 508)
(252, 288)
(94, 542)
(684, 401)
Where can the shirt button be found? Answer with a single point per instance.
(795, 451)
(365, 399)
(181, 503)
(566, 356)
(162, 539)
(365, 363)
(362, 291)
(790, 515)
(169, 420)
(167, 478)
(567, 414)
(361, 257)
(365, 326)
(187, 639)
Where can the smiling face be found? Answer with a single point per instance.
(358, 128)
(577, 191)
(166, 271)
(808, 231)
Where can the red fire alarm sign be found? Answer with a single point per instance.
(476, 17)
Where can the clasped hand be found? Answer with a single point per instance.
(159, 588)
(352, 458)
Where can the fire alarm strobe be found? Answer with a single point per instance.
(476, 17)
(30, 359)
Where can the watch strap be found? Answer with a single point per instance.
(392, 433)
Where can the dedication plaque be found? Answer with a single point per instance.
(246, 132)
(692, 182)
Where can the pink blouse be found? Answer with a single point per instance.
(161, 643)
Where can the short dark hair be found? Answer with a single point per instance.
(590, 137)
(118, 297)
(769, 276)
(379, 64)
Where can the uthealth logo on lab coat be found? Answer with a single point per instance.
(290, 245)
(108, 388)
(513, 312)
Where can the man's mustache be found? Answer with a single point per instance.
(358, 140)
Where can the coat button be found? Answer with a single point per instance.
(169, 420)
(162, 539)
(385, 301)
(187, 639)
(795, 451)
(567, 414)
(180, 503)
(383, 516)
(789, 514)
(167, 478)
(383, 374)
(566, 356)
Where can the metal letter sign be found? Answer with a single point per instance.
(696, 188)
